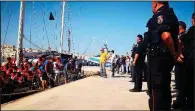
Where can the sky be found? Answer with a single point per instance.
(90, 22)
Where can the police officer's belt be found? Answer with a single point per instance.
(158, 50)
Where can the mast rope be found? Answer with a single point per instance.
(26, 38)
(34, 16)
(4, 10)
(30, 26)
(54, 31)
(88, 46)
(70, 21)
(70, 37)
(7, 27)
(45, 26)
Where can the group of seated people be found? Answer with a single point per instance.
(13, 77)
(36, 75)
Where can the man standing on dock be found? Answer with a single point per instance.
(138, 63)
(188, 42)
(162, 31)
(179, 72)
(113, 62)
(103, 58)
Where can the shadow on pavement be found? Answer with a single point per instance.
(121, 77)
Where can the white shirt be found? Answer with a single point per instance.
(113, 58)
(127, 61)
(54, 67)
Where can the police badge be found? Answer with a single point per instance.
(160, 19)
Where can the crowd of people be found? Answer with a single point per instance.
(118, 64)
(166, 44)
(46, 72)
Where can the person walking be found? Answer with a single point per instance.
(127, 64)
(103, 59)
(113, 62)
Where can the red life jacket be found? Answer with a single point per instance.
(20, 79)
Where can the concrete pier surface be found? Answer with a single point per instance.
(91, 93)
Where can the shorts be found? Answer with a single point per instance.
(44, 76)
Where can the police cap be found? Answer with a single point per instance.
(140, 36)
(164, 2)
(181, 23)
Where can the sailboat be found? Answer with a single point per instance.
(18, 91)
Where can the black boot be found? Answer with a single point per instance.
(135, 90)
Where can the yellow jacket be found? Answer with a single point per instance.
(103, 57)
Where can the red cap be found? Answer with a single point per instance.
(102, 49)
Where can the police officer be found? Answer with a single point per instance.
(163, 32)
(188, 41)
(179, 72)
(146, 61)
(132, 66)
(138, 62)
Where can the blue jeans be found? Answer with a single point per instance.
(102, 69)
(127, 68)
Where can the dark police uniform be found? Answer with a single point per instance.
(139, 65)
(145, 43)
(147, 40)
(179, 81)
(160, 60)
(188, 41)
(133, 67)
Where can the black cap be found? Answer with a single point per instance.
(164, 2)
(112, 51)
(181, 23)
(140, 36)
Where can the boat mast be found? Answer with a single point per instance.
(62, 27)
(20, 34)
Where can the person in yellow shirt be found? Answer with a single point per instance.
(103, 59)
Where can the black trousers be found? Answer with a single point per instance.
(118, 67)
(51, 80)
(138, 76)
(124, 68)
(189, 72)
(180, 83)
(159, 79)
(133, 73)
(113, 68)
(145, 71)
